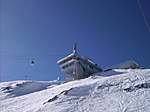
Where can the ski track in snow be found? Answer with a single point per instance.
(119, 90)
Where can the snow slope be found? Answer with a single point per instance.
(22, 87)
(112, 91)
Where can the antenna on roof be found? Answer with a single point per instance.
(75, 48)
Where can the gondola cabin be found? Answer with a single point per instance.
(77, 67)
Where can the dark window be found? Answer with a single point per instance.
(91, 66)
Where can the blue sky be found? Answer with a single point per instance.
(107, 31)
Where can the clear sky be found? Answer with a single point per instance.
(107, 31)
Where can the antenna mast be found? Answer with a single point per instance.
(75, 48)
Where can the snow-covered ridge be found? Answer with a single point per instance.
(120, 90)
(24, 87)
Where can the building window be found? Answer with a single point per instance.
(90, 66)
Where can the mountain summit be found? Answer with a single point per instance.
(117, 90)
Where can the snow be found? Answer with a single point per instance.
(19, 88)
(118, 90)
(125, 65)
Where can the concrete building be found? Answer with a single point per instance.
(77, 67)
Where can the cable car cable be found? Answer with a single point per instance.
(145, 20)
